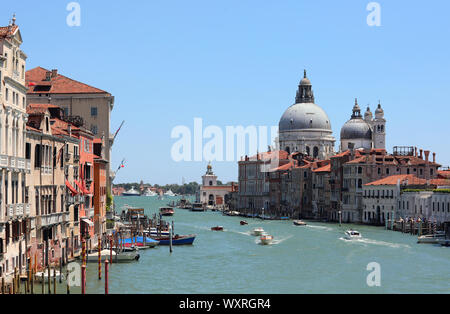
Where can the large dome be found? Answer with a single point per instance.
(303, 116)
(356, 129)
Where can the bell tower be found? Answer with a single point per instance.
(379, 129)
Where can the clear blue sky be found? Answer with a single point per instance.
(239, 63)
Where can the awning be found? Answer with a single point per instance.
(71, 188)
(88, 222)
(82, 188)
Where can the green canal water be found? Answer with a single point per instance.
(311, 259)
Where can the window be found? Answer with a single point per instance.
(94, 129)
(87, 146)
(27, 151)
(94, 111)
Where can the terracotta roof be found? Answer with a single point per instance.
(326, 168)
(444, 174)
(8, 31)
(405, 179)
(59, 84)
(440, 182)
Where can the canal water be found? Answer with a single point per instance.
(311, 259)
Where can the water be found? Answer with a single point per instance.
(311, 259)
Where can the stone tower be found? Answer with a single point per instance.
(379, 129)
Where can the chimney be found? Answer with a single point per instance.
(48, 76)
(434, 157)
(421, 154)
(415, 151)
(69, 129)
(427, 155)
(54, 73)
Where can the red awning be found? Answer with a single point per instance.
(82, 188)
(71, 188)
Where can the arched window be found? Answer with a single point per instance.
(316, 152)
(308, 151)
(288, 150)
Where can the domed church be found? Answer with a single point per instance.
(364, 133)
(305, 127)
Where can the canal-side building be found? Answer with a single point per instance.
(100, 182)
(77, 99)
(211, 193)
(14, 205)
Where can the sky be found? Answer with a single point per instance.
(234, 63)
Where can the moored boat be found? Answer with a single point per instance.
(197, 207)
(139, 242)
(38, 275)
(131, 192)
(176, 240)
(119, 257)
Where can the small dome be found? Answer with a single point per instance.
(379, 109)
(305, 116)
(356, 129)
(305, 80)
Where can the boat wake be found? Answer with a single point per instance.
(274, 242)
(375, 242)
(320, 228)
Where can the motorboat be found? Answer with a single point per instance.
(258, 232)
(266, 239)
(166, 211)
(197, 207)
(117, 257)
(431, 238)
(244, 223)
(352, 234)
(299, 223)
(131, 192)
(150, 193)
(218, 228)
(139, 243)
(54, 272)
(154, 232)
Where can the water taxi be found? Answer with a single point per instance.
(299, 223)
(431, 238)
(266, 239)
(352, 234)
(166, 211)
(258, 232)
(244, 223)
(218, 228)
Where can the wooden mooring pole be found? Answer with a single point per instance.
(83, 279)
(106, 277)
(99, 247)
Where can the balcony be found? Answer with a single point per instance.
(3, 161)
(50, 220)
(12, 162)
(76, 158)
(17, 210)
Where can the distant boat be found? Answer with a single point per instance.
(166, 211)
(218, 228)
(244, 223)
(169, 193)
(299, 223)
(150, 193)
(432, 238)
(176, 240)
(266, 239)
(258, 231)
(352, 234)
(197, 207)
(131, 192)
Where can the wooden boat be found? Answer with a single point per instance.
(266, 239)
(166, 211)
(299, 223)
(244, 223)
(176, 240)
(218, 228)
(119, 257)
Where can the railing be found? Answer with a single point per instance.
(28, 165)
(76, 158)
(27, 209)
(51, 219)
(12, 162)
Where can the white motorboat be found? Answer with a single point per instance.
(352, 234)
(119, 257)
(169, 193)
(431, 238)
(258, 232)
(266, 239)
(299, 223)
(38, 275)
(150, 193)
(131, 192)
